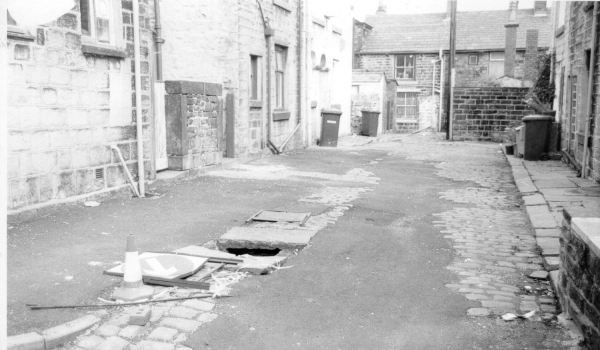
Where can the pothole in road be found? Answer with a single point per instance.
(253, 252)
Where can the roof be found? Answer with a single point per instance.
(475, 31)
(359, 76)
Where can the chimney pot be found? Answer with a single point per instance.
(382, 9)
(539, 8)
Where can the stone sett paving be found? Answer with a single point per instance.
(494, 244)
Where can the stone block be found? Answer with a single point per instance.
(33, 192)
(183, 312)
(98, 117)
(26, 341)
(551, 263)
(213, 89)
(40, 140)
(19, 141)
(22, 52)
(139, 315)
(79, 158)
(152, 345)
(549, 246)
(59, 76)
(108, 330)
(65, 185)
(67, 332)
(184, 87)
(90, 342)
(534, 199)
(52, 116)
(113, 343)
(181, 162)
(541, 217)
(49, 96)
(163, 333)
(47, 187)
(199, 305)
(547, 232)
(115, 176)
(86, 182)
(99, 155)
(265, 238)
(177, 130)
(180, 324)
(132, 331)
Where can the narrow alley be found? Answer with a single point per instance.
(420, 244)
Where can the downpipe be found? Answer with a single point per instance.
(138, 98)
(590, 103)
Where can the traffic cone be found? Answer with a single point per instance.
(133, 288)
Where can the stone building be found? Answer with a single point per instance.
(573, 46)
(413, 51)
(218, 79)
(70, 98)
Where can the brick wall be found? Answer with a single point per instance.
(65, 109)
(579, 279)
(194, 117)
(482, 114)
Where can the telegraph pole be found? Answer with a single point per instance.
(450, 75)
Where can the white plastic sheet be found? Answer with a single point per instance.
(32, 13)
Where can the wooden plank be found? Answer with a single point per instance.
(209, 272)
(160, 127)
(230, 126)
(172, 282)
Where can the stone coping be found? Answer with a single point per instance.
(588, 230)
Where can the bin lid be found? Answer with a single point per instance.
(331, 111)
(367, 111)
(533, 118)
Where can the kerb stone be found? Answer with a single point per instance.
(534, 199)
(266, 238)
(27, 341)
(541, 217)
(68, 331)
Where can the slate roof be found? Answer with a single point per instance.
(475, 31)
(359, 76)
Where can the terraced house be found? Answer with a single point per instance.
(203, 82)
(412, 52)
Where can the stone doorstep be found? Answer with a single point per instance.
(588, 230)
(551, 263)
(549, 246)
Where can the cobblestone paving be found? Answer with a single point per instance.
(494, 244)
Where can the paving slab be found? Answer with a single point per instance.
(258, 265)
(525, 185)
(547, 232)
(554, 183)
(201, 251)
(551, 263)
(263, 238)
(541, 217)
(534, 199)
(549, 246)
(570, 192)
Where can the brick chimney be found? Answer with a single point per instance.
(539, 9)
(510, 48)
(382, 9)
(531, 50)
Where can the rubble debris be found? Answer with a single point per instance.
(540, 274)
(531, 316)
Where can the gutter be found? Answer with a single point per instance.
(138, 97)
(590, 102)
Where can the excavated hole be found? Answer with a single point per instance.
(253, 252)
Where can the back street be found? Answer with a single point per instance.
(420, 244)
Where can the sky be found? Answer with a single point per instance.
(369, 7)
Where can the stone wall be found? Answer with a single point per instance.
(483, 113)
(67, 105)
(194, 118)
(579, 276)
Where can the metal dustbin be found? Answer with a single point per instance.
(537, 128)
(370, 122)
(330, 127)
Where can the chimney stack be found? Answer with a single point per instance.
(539, 9)
(510, 48)
(382, 9)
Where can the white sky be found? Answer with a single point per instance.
(369, 7)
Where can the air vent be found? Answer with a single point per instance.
(99, 173)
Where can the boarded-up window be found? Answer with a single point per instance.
(496, 64)
(254, 95)
(407, 105)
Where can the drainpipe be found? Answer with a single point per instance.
(138, 97)
(269, 32)
(3, 156)
(590, 103)
(158, 40)
(440, 110)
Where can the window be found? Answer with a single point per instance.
(496, 64)
(405, 67)
(254, 85)
(280, 58)
(406, 105)
(473, 60)
(101, 22)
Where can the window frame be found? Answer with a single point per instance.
(405, 66)
(415, 105)
(280, 76)
(476, 57)
(115, 30)
(254, 87)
